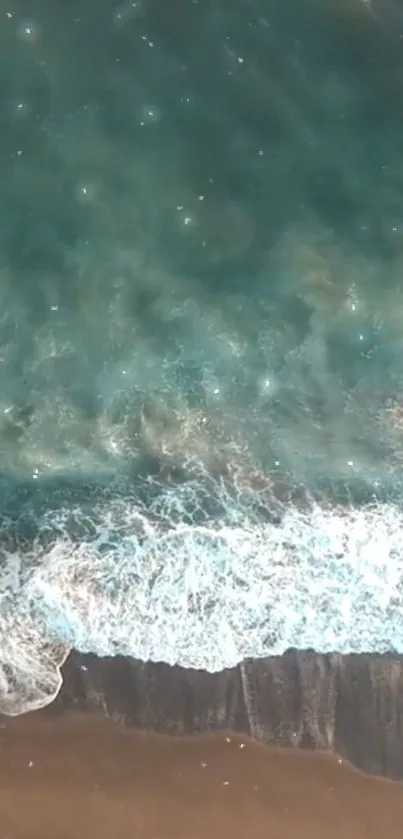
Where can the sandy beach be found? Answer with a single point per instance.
(80, 775)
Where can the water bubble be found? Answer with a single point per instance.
(86, 192)
(267, 386)
(150, 115)
(186, 218)
(127, 13)
(29, 31)
(21, 108)
(212, 390)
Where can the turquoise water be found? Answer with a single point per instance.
(200, 332)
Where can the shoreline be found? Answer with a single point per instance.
(351, 706)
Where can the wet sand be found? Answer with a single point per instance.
(74, 775)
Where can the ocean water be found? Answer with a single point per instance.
(201, 333)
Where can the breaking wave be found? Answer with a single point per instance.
(152, 575)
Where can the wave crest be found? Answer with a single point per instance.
(162, 581)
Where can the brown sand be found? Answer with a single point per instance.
(78, 777)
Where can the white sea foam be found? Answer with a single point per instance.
(198, 595)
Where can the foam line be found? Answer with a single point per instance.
(199, 595)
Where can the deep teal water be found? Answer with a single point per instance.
(201, 247)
